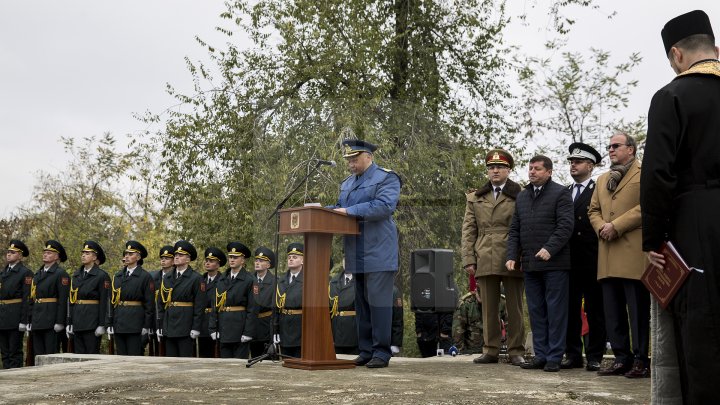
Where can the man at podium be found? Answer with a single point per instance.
(371, 194)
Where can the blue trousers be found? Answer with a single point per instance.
(547, 302)
(373, 307)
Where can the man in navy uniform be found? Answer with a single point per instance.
(583, 262)
(371, 194)
(15, 282)
(290, 289)
(680, 193)
(183, 298)
(233, 321)
(132, 303)
(89, 290)
(264, 297)
(49, 295)
(214, 259)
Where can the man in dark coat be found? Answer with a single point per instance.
(49, 295)
(584, 259)
(166, 256)
(541, 228)
(233, 322)
(680, 193)
(15, 282)
(397, 328)
(342, 313)
(89, 294)
(183, 298)
(290, 288)
(132, 305)
(214, 259)
(264, 298)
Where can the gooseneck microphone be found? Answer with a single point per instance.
(330, 163)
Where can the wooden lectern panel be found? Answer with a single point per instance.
(319, 225)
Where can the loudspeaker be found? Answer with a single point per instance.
(432, 286)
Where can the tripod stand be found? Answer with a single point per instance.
(272, 352)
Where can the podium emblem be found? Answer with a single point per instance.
(294, 220)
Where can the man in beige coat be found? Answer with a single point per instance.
(615, 215)
(488, 214)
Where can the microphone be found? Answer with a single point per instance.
(330, 163)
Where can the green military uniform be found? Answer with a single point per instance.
(467, 326)
(49, 301)
(342, 311)
(15, 285)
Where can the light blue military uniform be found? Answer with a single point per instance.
(373, 254)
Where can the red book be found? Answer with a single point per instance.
(664, 283)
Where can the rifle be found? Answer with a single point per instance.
(217, 349)
(70, 337)
(111, 339)
(30, 355)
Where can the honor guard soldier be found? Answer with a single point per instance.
(233, 322)
(131, 307)
(289, 302)
(214, 259)
(49, 295)
(15, 282)
(263, 296)
(166, 255)
(89, 291)
(342, 313)
(183, 302)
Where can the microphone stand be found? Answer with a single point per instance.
(272, 351)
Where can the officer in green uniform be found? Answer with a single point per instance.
(214, 259)
(49, 295)
(15, 282)
(289, 304)
(132, 302)
(233, 322)
(183, 297)
(342, 313)
(263, 294)
(89, 291)
(467, 327)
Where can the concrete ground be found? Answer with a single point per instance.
(440, 380)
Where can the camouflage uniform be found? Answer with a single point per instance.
(467, 326)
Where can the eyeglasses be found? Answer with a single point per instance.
(615, 146)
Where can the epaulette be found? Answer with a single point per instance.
(466, 296)
(386, 170)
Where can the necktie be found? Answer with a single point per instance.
(128, 273)
(537, 191)
(259, 280)
(577, 191)
(292, 279)
(497, 192)
(347, 280)
(177, 275)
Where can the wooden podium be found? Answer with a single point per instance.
(319, 225)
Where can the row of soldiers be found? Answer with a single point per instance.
(175, 311)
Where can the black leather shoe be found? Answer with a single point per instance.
(517, 360)
(376, 362)
(534, 365)
(567, 363)
(639, 370)
(485, 359)
(361, 361)
(615, 369)
(551, 366)
(592, 366)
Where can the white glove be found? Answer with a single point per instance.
(144, 331)
(22, 327)
(395, 350)
(245, 339)
(58, 327)
(159, 333)
(194, 334)
(29, 328)
(215, 336)
(276, 338)
(110, 330)
(99, 331)
(151, 332)
(68, 331)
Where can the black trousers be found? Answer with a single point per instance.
(179, 346)
(347, 350)
(45, 341)
(234, 350)
(128, 344)
(584, 284)
(86, 342)
(623, 297)
(11, 348)
(257, 348)
(206, 347)
(294, 351)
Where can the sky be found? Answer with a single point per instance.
(77, 69)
